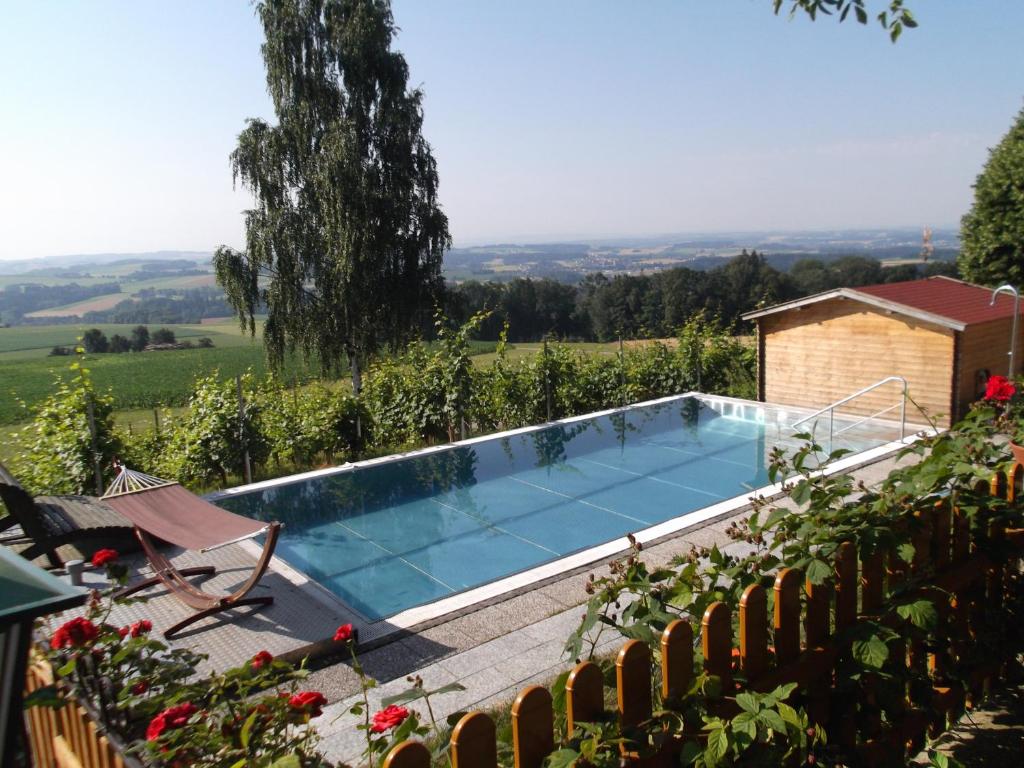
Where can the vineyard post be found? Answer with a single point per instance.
(241, 429)
(547, 379)
(96, 468)
(622, 371)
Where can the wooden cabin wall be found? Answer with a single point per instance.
(984, 347)
(825, 351)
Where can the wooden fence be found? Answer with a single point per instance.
(68, 737)
(808, 626)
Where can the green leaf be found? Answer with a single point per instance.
(772, 719)
(562, 758)
(906, 552)
(411, 694)
(744, 723)
(789, 714)
(454, 717)
(47, 696)
(718, 746)
(922, 613)
(288, 761)
(450, 688)
(247, 728)
(871, 652)
(818, 572)
(691, 751)
(747, 702)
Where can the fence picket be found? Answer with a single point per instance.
(408, 754)
(676, 659)
(872, 583)
(754, 631)
(533, 736)
(474, 742)
(633, 678)
(1015, 483)
(816, 621)
(961, 536)
(942, 535)
(846, 586)
(716, 640)
(922, 541)
(584, 695)
(787, 615)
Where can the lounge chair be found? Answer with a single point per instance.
(163, 509)
(49, 522)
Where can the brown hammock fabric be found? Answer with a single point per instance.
(169, 512)
(173, 514)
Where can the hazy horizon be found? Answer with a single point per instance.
(569, 122)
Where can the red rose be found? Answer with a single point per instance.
(140, 688)
(999, 389)
(343, 633)
(103, 556)
(261, 659)
(308, 701)
(138, 628)
(74, 634)
(390, 717)
(170, 718)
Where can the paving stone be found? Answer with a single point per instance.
(531, 607)
(391, 661)
(447, 636)
(525, 665)
(486, 624)
(486, 655)
(479, 686)
(568, 591)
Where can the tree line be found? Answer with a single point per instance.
(95, 341)
(656, 305)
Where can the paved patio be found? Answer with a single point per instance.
(493, 649)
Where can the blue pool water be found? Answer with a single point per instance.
(389, 536)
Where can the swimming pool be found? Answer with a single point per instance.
(388, 535)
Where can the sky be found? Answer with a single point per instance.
(567, 120)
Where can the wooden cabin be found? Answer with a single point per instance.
(942, 335)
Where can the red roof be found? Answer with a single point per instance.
(946, 297)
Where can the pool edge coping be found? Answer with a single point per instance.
(381, 631)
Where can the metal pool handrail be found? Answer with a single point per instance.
(831, 409)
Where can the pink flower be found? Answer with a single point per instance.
(343, 633)
(261, 659)
(172, 717)
(999, 389)
(310, 702)
(104, 556)
(74, 634)
(390, 717)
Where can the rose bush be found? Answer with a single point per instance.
(390, 717)
(102, 557)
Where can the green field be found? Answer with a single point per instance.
(129, 288)
(23, 342)
(136, 380)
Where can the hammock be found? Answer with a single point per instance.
(163, 509)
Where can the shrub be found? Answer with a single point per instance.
(211, 440)
(58, 454)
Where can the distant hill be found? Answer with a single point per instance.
(83, 261)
